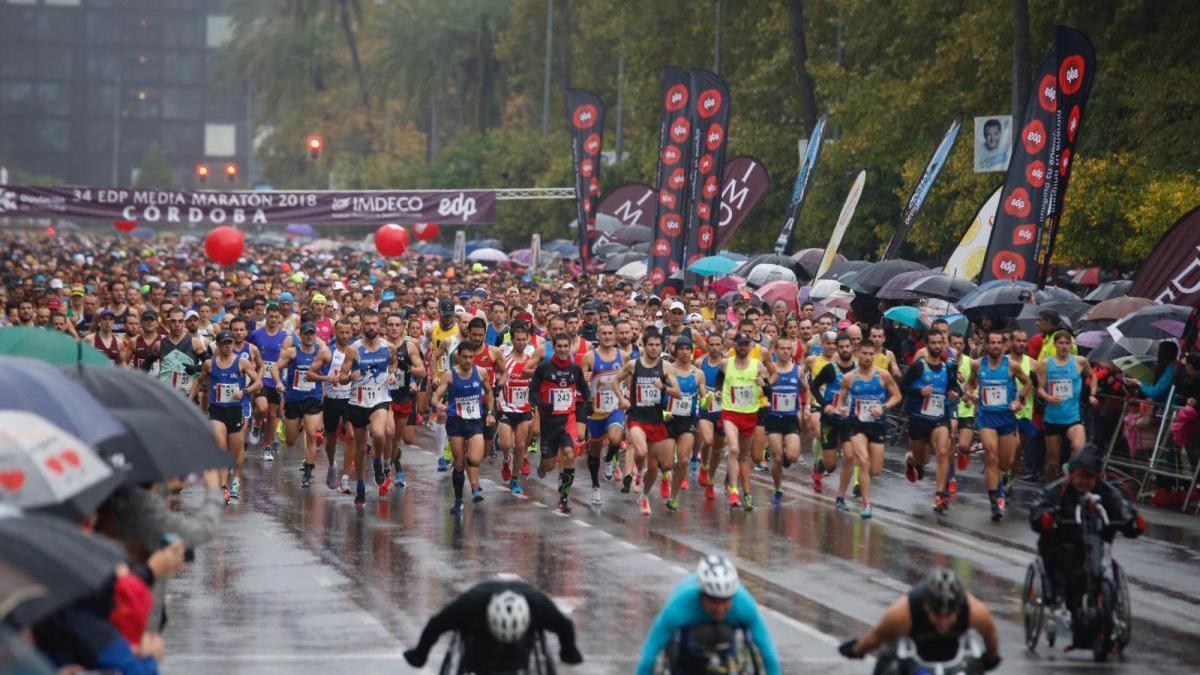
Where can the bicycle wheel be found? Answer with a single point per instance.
(1123, 618)
(453, 661)
(1032, 609)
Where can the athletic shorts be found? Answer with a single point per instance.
(678, 426)
(874, 431)
(402, 407)
(489, 432)
(921, 428)
(656, 432)
(598, 427)
(269, 393)
(360, 418)
(1052, 429)
(230, 416)
(714, 417)
(1003, 423)
(833, 432)
(334, 411)
(966, 422)
(783, 424)
(457, 427)
(745, 422)
(761, 420)
(557, 432)
(294, 410)
(1026, 428)
(514, 419)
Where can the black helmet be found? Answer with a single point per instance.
(1088, 460)
(944, 592)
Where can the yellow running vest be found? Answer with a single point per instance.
(740, 392)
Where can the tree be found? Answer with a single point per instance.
(808, 94)
(154, 171)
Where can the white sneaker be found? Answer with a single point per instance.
(596, 499)
(345, 485)
(268, 456)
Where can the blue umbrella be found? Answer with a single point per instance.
(906, 315)
(713, 266)
(37, 387)
(144, 233)
(435, 251)
(736, 257)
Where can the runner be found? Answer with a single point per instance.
(993, 383)
(933, 390)
(489, 360)
(682, 416)
(269, 340)
(444, 337)
(520, 360)
(559, 390)
(142, 350)
(1061, 379)
(825, 381)
(302, 407)
(104, 339)
(606, 425)
(470, 395)
(870, 393)
(180, 354)
(410, 372)
(709, 427)
(230, 379)
(783, 416)
(964, 421)
(742, 386)
(368, 365)
(327, 368)
(648, 380)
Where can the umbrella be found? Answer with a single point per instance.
(728, 284)
(488, 255)
(1053, 294)
(1144, 323)
(634, 270)
(616, 262)
(771, 259)
(735, 257)
(1108, 351)
(632, 234)
(761, 275)
(1138, 367)
(1109, 290)
(870, 279)
(775, 291)
(1116, 308)
(301, 230)
(643, 248)
(1003, 300)
(43, 467)
(567, 249)
(837, 306)
(604, 223)
(896, 288)
(50, 346)
(435, 251)
(941, 287)
(810, 258)
(144, 233)
(838, 270)
(1092, 338)
(167, 435)
(608, 249)
(824, 288)
(959, 323)
(21, 657)
(69, 563)
(906, 315)
(523, 256)
(1090, 276)
(713, 266)
(477, 244)
(1070, 311)
(33, 386)
(994, 283)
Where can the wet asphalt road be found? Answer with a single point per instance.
(299, 581)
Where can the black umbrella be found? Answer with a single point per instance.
(1109, 290)
(643, 248)
(1055, 294)
(1154, 322)
(611, 248)
(615, 262)
(21, 657)
(1002, 300)
(37, 387)
(632, 234)
(941, 287)
(69, 563)
(840, 269)
(772, 259)
(870, 279)
(1068, 310)
(167, 435)
(1107, 352)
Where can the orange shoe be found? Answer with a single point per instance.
(964, 460)
(703, 478)
(710, 492)
(664, 488)
(684, 485)
(952, 486)
(735, 499)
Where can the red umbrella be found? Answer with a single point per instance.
(1087, 277)
(728, 284)
(786, 291)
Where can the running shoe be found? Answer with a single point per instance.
(761, 467)
(683, 484)
(534, 447)
(457, 508)
(280, 433)
(306, 477)
(816, 479)
(385, 486)
(476, 494)
(865, 513)
(1001, 502)
(748, 502)
(255, 434)
(610, 471)
(626, 483)
(506, 471)
(694, 466)
(910, 470)
(360, 498)
(735, 499)
(952, 486)
(702, 477)
(920, 472)
(664, 487)
(564, 506)
(616, 469)
(379, 477)
(777, 498)
(840, 504)
(515, 486)
(637, 479)
(267, 455)
(525, 468)
(399, 480)
(225, 489)
(644, 505)
(331, 479)
(442, 464)
(997, 511)
(235, 490)
(963, 460)
(596, 498)
(787, 463)
(673, 506)
(320, 437)
(940, 503)
(710, 491)
(857, 491)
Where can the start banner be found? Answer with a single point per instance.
(239, 207)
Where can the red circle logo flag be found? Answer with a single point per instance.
(708, 103)
(1070, 74)
(591, 144)
(670, 155)
(586, 167)
(1018, 204)
(658, 276)
(1008, 265)
(703, 210)
(705, 164)
(710, 187)
(680, 129)
(676, 98)
(1064, 162)
(1035, 173)
(1072, 123)
(662, 247)
(584, 116)
(594, 187)
(671, 224)
(1048, 93)
(673, 266)
(1034, 137)
(705, 235)
(714, 137)
(666, 198)
(1024, 234)
(677, 179)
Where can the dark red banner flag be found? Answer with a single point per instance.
(709, 114)
(586, 112)
(1171, 274)
(674, 158)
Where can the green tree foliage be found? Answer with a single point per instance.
(154, 171)
(454, 99)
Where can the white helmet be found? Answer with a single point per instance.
(508, 616)
(718, 577)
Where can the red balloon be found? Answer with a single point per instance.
(125, 226)
(49, 230)
(426, 231)
(224, 245)
(390, 240)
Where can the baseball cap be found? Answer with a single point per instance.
(694, 317)
(477, 267)
(56, 284)
(308, 327)
(107, 312)
(78, 291)
(224, 336)
(54, 303)
(191, 314)
(480, 293)
(743, 338)
(568, 285)
(654, 300)
(339, 286)
(445, 307)
(387, 295)
(150, 314)
(463, 294)
(829, 336)
(318, 297)
(677, 305)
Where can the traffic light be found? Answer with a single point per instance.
(201, 172)
(231, 171)
(314, 143)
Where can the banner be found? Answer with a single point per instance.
(710, 130)
(843, 222)
(921, 191)
(587, 135)
(993, 143)
(1171, 273)
(967, 260)
(746, 182)
(255, 207)
(1031, 204)
(631, 203)
(784, 242)
(535, 251)
(674, 134)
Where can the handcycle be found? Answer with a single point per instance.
(902, 658)
(710, 649)
(540, 660)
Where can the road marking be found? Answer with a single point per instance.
(508, 576)
(652, 556)
(323, 581)
(627, 545)
(888, 582)
(582, 523)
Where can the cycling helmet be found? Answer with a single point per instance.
(718, 577)
(508, 616)
(944, 592)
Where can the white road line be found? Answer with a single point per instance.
(508, 576)
(888, 582)
(582, 523)
(652, 556)
(323, 581)
(626, 545)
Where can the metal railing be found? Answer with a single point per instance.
(1142, 466)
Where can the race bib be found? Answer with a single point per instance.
(468, 408)
(934, 405)
(401, 378)
(181, 381)
(682, 406)
(519, 396)
(300, 382)
(267, 366)
(562, 400)
(367, 395)
(227, 393)
(863, 410)
(783, 403)
(995, 395)
(606, 401)
(742, 395)
(1062, 389)
(648, 395)
(444, 362)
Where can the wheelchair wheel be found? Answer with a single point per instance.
(1032, 610)
(453, 661)
(1123, 615)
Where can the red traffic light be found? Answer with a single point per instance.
(202, 172)
(231, 171)
(314, 143)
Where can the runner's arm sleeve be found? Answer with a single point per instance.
(454, 616)
(547, 614)
(912, 374)
(535, 387)
(747, 610)
(673, 616)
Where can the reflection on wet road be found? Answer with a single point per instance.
(300, 581)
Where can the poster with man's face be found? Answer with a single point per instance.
(993, 143)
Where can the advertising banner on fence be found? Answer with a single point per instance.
(209, 208)
(587, 135)
(1171, 273)
(710, 132)
(921, 191)
(801, 189)
(674, 157)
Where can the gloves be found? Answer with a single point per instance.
(990, 662)
(1047, 521)
(847, 649)
(415, 658)
(570, 656)
(1139, 523)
